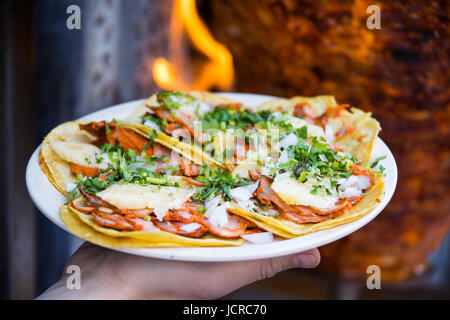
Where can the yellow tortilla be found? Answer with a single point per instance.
(58, 171)
(83, 226)
(358, 143)
(291, 229)
(190, 151)
(208, 97)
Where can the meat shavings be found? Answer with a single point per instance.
(297, 213)
(90, 172)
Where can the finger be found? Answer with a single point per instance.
(224, 278)
(268, 268)
(308, 259)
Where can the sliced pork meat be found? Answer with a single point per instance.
(89, 172)
(296, 213)
(176, 228)
(235, 228)
(189, 169)
(116, 221)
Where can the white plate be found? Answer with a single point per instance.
(48, 200)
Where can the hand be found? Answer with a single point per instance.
(108, 274)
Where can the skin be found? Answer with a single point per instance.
(107, 274)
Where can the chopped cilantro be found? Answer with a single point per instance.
(173, 99)
(375, 162)
(216, 181)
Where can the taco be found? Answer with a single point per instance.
(203, 124)
(123, 184)
(348, 128)
(81, 148)
(129, 202)
(315, 175)
(296, 166)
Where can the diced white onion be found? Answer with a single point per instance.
(219, 215)
(363, 182)
(272, 212)
(353, 185)
(259, 238)
(152, 125)
(202, 107)
(310, 112)
(284, 157)
(351, 192)
(275, 116)
(284, 175)
(360, 182)
(105, 160)
(212, 203)
(160, 212)
(136, 165)
(70, 186)
(248, 205)
(191, 227)
(323, 158)
(244, 192)
(290, 140)
(147, 225)
(269, 165)
(329, 132)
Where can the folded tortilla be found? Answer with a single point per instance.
(53, 158)
(289, 229)
(84, 227)
(189, 150)
(358, 143)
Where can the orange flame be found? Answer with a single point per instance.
(217, 72)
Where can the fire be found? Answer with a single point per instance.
(217, 72)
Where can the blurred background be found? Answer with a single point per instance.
(130, 49)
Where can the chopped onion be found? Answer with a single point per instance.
(212, 203)
(244, 192)
(70, 186)
(259, 238)
(147, 225)
(136, 165)
(284, 157)
(360, 182)
(353, 185)
(284, 174)
(363, 182)
(290, 140)
(329, 132)
(152, 125)
(351, 192)
(272, 212)
(247, 205)
(275, 116)
(310, 112)
(160, 212)
(105, 161)
(323, 158)
(191, 227)
(219, 215)
(202, 108)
